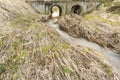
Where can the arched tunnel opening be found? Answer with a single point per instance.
(76, 9)
(56, 11)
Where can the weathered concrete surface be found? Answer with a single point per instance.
(65, 6)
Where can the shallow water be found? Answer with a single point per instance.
(111, 57)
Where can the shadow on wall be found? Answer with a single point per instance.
(76, 9)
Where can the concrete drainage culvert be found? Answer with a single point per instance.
(56, 11)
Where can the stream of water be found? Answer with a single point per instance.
(111, 57)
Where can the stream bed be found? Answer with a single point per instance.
(111, 56)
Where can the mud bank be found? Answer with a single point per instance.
(95, 28)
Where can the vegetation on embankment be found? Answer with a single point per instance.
(101, 28)
(112, 7)
(32, 50)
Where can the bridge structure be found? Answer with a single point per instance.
(65, 6)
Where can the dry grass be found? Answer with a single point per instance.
(97, 27)
(32, 50)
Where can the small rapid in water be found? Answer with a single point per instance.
(111, 57)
